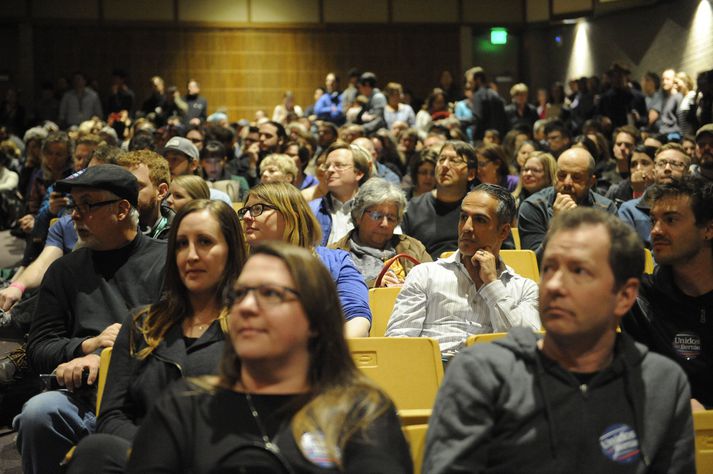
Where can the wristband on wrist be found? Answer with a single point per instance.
(19, 286)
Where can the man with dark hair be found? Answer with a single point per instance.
(572, 189)
(651, 87)
(372, 117)
(704, 152)
(121, 97)
(674, 312)
(433, 217)
(622, 103)
(79, 103)
(471, 291)
(558, 137)
(197, 110)
(670, 164)
(84, 298)
(641, 169)
(625, 140)
(579, 397)
(487, 106)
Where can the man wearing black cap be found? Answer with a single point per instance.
(84, 298)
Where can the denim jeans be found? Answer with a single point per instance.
(49, 425)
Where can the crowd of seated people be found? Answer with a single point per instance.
(124, 217)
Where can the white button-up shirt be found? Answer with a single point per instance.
(439, 300)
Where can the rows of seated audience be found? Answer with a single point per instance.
(229, 264)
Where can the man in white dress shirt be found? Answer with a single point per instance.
(471, 291)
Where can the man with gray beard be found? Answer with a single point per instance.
(84, 298)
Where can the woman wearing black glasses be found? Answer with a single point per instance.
(289, 398)
(182, 335)
(278, 211)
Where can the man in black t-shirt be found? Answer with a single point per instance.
(674, 312)
(433, 217)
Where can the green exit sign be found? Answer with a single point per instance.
(498, 35)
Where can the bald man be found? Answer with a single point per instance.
(572, 189)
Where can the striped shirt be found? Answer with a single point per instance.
(439, 300)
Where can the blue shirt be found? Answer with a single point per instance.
(351, 288)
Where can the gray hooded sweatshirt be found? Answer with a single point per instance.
(505, 408)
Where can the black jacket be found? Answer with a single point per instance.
(133, 385)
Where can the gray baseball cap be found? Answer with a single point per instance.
(183, 145)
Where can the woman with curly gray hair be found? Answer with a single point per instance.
(377, 210)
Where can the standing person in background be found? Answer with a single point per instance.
(79, 103)
(197, 110)
(287, 111)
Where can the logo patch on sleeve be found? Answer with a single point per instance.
(620, 444)
(687, 345)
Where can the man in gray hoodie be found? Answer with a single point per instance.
(583, 398)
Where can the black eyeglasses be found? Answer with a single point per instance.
(255, 210)
(87, 207)
(266, 295)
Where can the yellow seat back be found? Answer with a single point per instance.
(481, 338)
(516, 237)
(237, 206)
(381, 302)
(648, 262)
(408, 369)
(524, 262)
(416, 437)
(703, 425)
(103, 370)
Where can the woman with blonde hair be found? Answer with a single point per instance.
(538, 172)
(278, 211)
(289, 397)
(186, 188)
(181, 335)
(278, 168)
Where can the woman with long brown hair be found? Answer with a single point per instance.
(289, 397)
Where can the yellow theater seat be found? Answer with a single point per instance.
(381, 302)
(408, 369)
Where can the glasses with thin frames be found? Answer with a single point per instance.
(455, 161)
(378, 216)
(87, 207)
(255, 210)
(266, 295)
(675, 165)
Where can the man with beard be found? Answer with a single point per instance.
(84, 298)
(704, 151)
(674, 312)
(573, 188)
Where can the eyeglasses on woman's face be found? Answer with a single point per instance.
(255, 210)
(266, 295)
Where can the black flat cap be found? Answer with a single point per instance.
(112, 178)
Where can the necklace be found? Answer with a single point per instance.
(269, 445)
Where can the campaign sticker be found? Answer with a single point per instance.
(687, 345)
(315, 450)
(620, 444)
